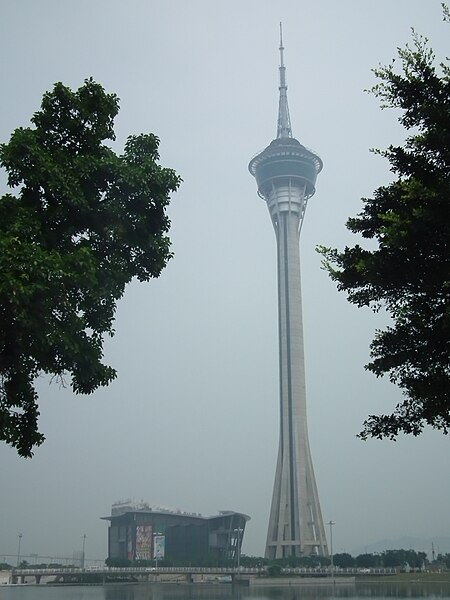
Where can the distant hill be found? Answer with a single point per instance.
(441, 545)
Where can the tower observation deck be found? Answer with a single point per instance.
(286, 174)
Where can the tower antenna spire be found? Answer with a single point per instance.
(284, 121)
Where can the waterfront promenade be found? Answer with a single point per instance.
(188, 574)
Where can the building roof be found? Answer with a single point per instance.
(173, 513)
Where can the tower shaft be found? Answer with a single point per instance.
(295, 524)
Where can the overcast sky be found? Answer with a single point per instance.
(192, 420)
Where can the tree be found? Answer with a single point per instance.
(344, 560)
(82, 223)
(397, 558)
(117, 562)
(408, 273)
(274, 570)
(368, 560)
(441, 558)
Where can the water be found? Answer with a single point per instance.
(357, 591)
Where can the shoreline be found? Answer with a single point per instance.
(442, 577)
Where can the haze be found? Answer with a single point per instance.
(192, 420)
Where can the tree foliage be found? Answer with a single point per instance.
(408, 273)
(343, 560)
(396, 558)
(444, 558)
(81, 224)
(368, 560)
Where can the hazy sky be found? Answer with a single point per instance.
(192, 420)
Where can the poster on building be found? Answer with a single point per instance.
(159, 546)
(143, 542)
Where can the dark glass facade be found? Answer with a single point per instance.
(188, 537)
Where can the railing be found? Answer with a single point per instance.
(135, 570)
(206, 570)
(337, 571)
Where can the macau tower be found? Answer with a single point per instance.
(285, 174)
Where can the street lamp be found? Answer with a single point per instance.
(18, 549)
(331, 523)
(84, 536)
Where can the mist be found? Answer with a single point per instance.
(192, 420)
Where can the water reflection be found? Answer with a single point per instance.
(171, 592)
(411, 589)
(357, 591)
(323, 591)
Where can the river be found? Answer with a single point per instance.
(357, 591)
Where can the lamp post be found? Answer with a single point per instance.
(18, 549)
(331, 523)
(84, 536)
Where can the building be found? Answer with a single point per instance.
(285, 174)
(135, 530)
